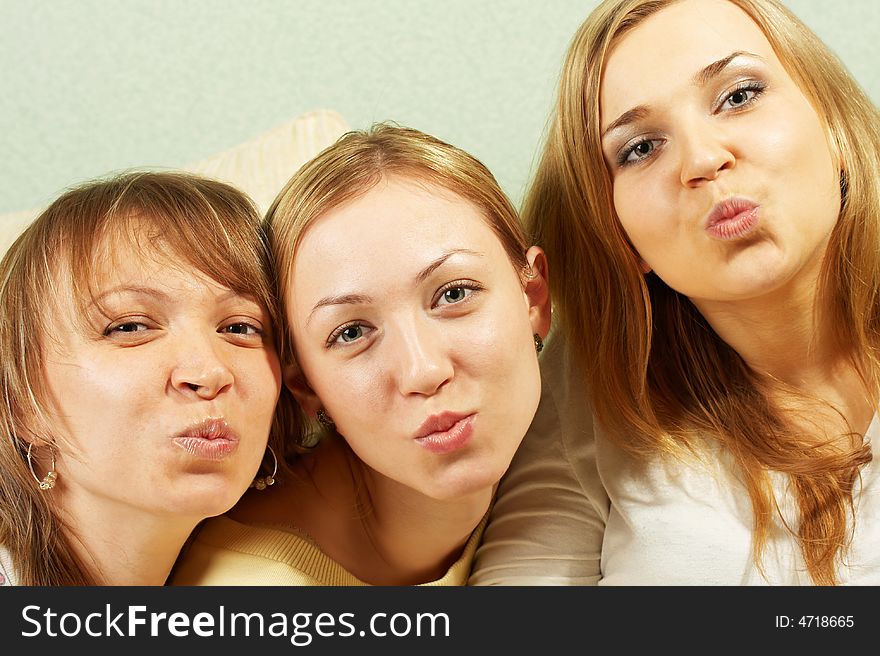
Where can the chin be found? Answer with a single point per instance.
(209, 498)
(462, 482)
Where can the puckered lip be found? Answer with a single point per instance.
(439, 423)
(213, 428)
(727, 209)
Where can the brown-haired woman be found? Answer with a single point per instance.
(709, 196)
(139, 376)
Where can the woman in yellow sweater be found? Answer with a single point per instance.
(415, 310)
(139, 374)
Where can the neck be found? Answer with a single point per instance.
(383, 532)
(120, 545)
(417, 537)
(790, 337)
(785, 335)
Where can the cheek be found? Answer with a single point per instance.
(498, 338)
(797, 150)
(78, 386)
(645, 215)
(260, 378)
(350, 391)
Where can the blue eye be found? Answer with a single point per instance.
(637, 152)
(455, 292)
(744, 94)
(454, 295)
(348, 334)
(351, 333)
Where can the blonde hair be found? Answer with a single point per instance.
(355, 164)
(208, 225)
(659, 376)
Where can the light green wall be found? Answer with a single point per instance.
(94, 86)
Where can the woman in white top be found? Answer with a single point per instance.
(709, 198)
(139, 376)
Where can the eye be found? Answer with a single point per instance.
(454, 295)
(126, 328)
(744, 94)
(348, 333)
(638, 151)
(351, 333)
(242, 328)
(455, 292)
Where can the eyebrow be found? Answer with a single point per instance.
(702, 77)
(714, 69)
(363, 299)
(129, 289)
(158, 294)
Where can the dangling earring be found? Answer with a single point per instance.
(323, 419)
(51, 476)
(539, 343)
(262, 482)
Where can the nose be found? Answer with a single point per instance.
(705, 153)
(200, 371)
(423, 362)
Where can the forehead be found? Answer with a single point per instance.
(673, 44)
(120, 260)
(396, 225)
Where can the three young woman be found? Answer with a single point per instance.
(708, 198)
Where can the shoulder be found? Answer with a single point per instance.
(562, 435)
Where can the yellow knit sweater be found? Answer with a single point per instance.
(227, 552)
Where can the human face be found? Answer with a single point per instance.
(724, 177)
(414, 332)
(163, 400)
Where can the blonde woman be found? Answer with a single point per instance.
(139, 376)
(709, 189)
(415, 309)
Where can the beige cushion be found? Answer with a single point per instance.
(259, 167)
(262, 166)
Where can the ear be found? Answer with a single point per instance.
(537, 291)
(296, 382)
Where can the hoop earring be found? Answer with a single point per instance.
(539, 343)
(324, 419)
(262, 482)
(48, 481)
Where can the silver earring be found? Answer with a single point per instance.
(262, 482)
(48, 481)
(539, 343)
(324, 419)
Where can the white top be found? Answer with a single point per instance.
(576, 510)
(7, 575)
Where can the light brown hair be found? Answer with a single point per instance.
(207, 225)
(660, 379)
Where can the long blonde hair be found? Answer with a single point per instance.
(208, 225)
(357, 162)
(659, 376)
